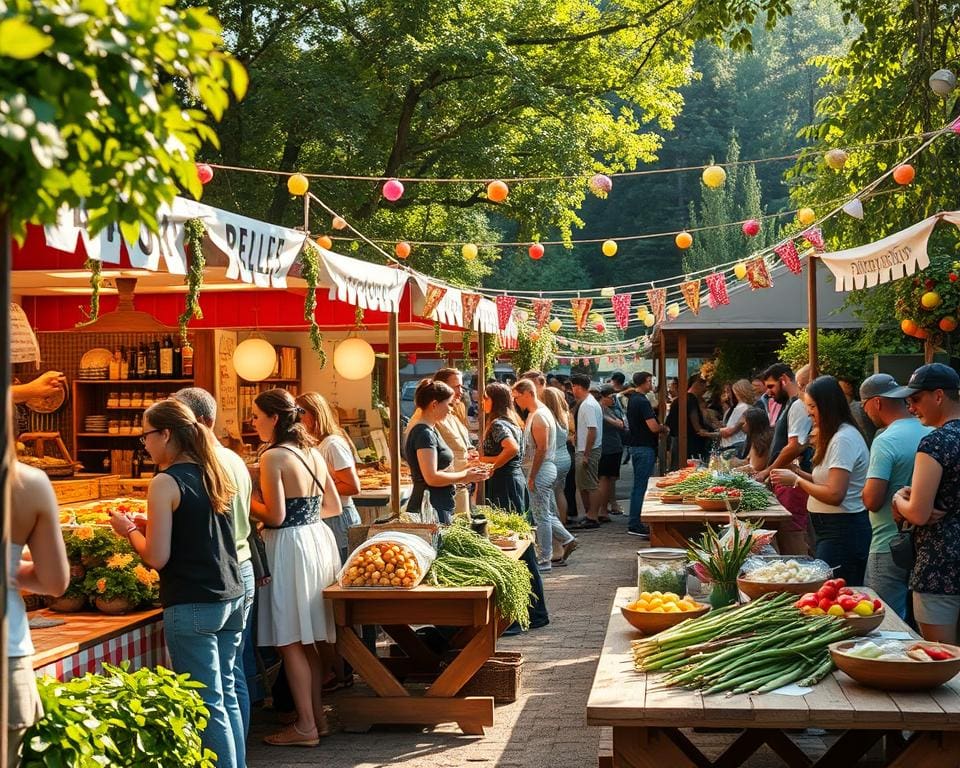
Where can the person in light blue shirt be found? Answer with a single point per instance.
(892, 456)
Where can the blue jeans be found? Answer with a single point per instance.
(203, 639)
(339, 526)
(643, 458)
(843, 541)
(889, 581)
(543, 508)
(240, 675)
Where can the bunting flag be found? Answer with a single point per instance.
(505, 305)
(541, 311)
(691, 294)
(581, 308)
(717, 284)
(789, 256)
(658, 303)
(469, 303)
(434, 296)
(758, 275)
(621, 309)
(814, 236)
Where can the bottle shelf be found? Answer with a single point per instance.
(125, 382)
(105, 434)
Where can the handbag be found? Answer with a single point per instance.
(903, 548)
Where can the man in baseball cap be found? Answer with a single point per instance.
(929, 378)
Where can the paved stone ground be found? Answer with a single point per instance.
(546, 725)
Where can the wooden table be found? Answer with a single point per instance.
(646, 718)
(397, 611)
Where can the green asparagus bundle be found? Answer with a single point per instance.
(753, 495)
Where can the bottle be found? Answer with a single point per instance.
(124, 363)
(153, 359)
(142, 361)
(166, 358)
(135, 464)
(177, 361)
(186, 355)
(113, 370)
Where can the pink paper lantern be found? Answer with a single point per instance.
(393, 190)
(204, 173)
(536, 251)
(600, 185)
(751, 227)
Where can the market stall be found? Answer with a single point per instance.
(673, 525)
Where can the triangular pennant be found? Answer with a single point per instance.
(717, 283)
(658, 303)
(469, 303)
(758, 275)
(541, 311)
(691, 294)
(814, 236)
(581, 308)
(788, 255)
(621, 309)
(505, 305)
(435, 294)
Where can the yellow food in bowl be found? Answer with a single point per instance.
(663, 602)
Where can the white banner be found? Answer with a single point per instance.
(365, 285)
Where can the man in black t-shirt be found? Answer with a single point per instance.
(645, 432)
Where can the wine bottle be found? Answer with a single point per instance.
(142, 361)
(178, 361)
(124, 363)
(186, 355)
(166, 358)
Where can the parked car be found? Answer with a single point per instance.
(407, 406)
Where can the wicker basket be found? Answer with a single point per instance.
(498, 677)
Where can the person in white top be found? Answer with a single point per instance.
(586, 462)
(732, 434)
(835, 485)
(35, 524)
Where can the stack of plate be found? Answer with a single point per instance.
(95, 424)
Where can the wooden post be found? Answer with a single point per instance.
(682, 384)
(663, 446)
(812, 315)
(393, 400)
(6, 412)
(481, 390)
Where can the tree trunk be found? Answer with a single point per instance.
(288, 162)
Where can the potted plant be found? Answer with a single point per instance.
(71, 601)
(122, 584)
(718, 560)
(92, 545)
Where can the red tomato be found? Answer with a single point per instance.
(844, 591)
(877, 605)
(827, 592)
(825, 603)
(847, 603)
(807, 601)
(839, 583)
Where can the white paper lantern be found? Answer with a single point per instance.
(254, 359)
(354, 359)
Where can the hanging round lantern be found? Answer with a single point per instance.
(649, 321)
(751, 227)
(673, 311)
(254, 359)
(536, 251)
(609, 248)
(497, 191)
(948, 324)
(908, 326)
(930, 300)
(392, 190)
(806, 216)
(411, 358)
(683, 240)
(325, 242)
(904, 174)
(836, 159)
(600, 326)
(600, 185)
(642, 312)
(298, 185)
(339, 222)
(740, 270)
(942, 82)
(555, 325)
(353, 358)
(469, 251)
(204, 173)
(402, 249)
(714, 176)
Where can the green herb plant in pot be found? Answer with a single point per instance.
(718, 560)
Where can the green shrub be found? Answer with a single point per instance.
(837, 353)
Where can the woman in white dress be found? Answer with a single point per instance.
(297, 493)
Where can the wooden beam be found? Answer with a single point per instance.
(393, 400)
(6, 413)
(663, 446)
(812, 315)
(682, 385)
(481, 391)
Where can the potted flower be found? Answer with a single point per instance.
(74, 599)
(91, 546)
(718, 560)
(122, 584)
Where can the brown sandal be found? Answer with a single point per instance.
(291, 736)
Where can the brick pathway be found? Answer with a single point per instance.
(546, 726)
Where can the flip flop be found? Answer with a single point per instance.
(291, 736)
(603, 519)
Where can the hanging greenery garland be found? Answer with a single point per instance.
(493, 351)
(465, 341)
(193, 231)
(358, 317)
(438, 338)
(536, 349)
(310, 271)
(96, 280)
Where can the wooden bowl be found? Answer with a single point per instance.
(664, 482)
(671, 498)
(893, 675)
(754, 589)
(716, 505)
(864, 625)
(650, 623)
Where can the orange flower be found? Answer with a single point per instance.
(84, 532)
(146, 576)
(101, 585)
(119, 561)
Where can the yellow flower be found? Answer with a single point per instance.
(119, 561)
(146, 576)
(101, 585)
(84, 532)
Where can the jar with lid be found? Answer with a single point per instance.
(136, 399)
(125, 426)
(124, 398)
(113, 426)
(662, 569)
(113, 400)
(148, 398)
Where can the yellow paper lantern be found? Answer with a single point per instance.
(642, 313)
(353, 358)
(714, 176)
(740, 270)
(469, 251)
(339, 222)
(836, 159)
(556, 324)
(609, 248)
(298, 185)
(930, 300)
(649, 321)
(806, 216)
(683, 240)
(254, 359)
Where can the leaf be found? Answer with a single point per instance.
(21, 40)
(239, 79)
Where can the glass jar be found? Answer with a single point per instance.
(125, 426)
(124, 399)
(662, 569)
(136, 399)
(148, 398)
(113, 400)
(113, 426)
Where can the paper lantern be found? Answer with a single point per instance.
(469, 251)
(254, 359)
(714, 176)
(556, 324)
(649, 321)
(412, 358)
(600, 327)
(948, 324)
(402, 249)
(854, 207)
(536, 251)
(298, 185)
(339, 222)
(806, 216)
(23, 341)
(904, 174)
(609, 248)
(942, 82)
(930, 300)
(600, 185)
(751, 227)
(673, 311)
(325, 242)
(353, 358)
(497, 191)
(642, 312)
(683, 240)
(393, 190)
(836, 159)
(204, 173)
(740, 270)
(908, 326)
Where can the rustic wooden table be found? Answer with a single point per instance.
(647, 718)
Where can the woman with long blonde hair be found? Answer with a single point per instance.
(554, 400)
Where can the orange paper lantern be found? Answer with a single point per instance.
(948, 324)
(683, 240)
(903, 174)
(908, 326)
(497, 191)
(402, 250)
(324, 241)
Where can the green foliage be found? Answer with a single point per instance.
(131, 581)
(193, 240)
(735, 360)
(94, 112)
(93, 544)
(310, 272)
(96, 281)
(837, 353)
(907, 295)
(536, 350)
(143, 719)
